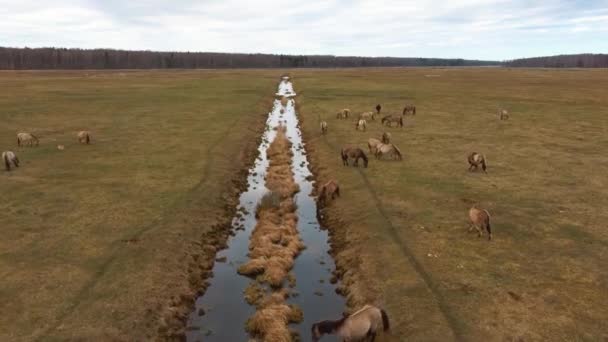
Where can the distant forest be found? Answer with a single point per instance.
(562, 61)
(59, 58)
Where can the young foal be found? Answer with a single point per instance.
(480, 220)
(362, 325)
(354, 153)
(9, 158)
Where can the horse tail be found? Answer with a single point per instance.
(488, 226)
(88, 138)
(414, 110)
(16, 161)
(483, 163)
(364, 158)
(35, 138)
(385, 323)
(7, 163)
(18, 141)
(398, 152)
(338, 190)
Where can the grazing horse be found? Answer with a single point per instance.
(475, 159)
(343, 114)
(9, 157)
(372, 144)
(378, 108)
(385, 149)
(353, 153)
(361, 125)
(329, 190)
(409, 109)
(389, 119)
(361, 325)
(367, 116)
(386, 137)
(503, 114)
(480, 220)
(26, 138)
(323, 126)
(84, 137)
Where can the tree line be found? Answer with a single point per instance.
(562, 61)
(61, 58)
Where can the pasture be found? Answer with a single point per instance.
(400, 227)
(99, 240)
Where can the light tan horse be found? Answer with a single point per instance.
(361, 125)
(386, 137)
(323, 126)
(361, 325)
(410, 108)
(329, 191)
(480, 220)
(9, 157)
(367, 116)
(27, 139)
(475, 159)
(503, 114)
(388, 149)
(84, 137)
(372, 144)
(343, 114)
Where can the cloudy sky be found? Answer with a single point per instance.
(479, 29)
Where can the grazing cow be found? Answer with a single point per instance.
(323, 127)
(361, 125)
(480, 220)
(84, 137)
(9, 157)
(362, 325)
(475, 159)
(27, 139)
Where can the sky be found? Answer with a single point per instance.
(472, 29)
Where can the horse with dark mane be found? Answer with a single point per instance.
(389, 119)
(475, 160)
(353, 153)
(386, 137)
(361, 325)
(27, 138)
(410, 108)
(329, 190)
(378, 108)
(480, 220)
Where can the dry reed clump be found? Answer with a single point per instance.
(270, 200)
(270, 322)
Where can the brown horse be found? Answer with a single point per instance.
(386, 137)
(410, 108)
(329, 190)
(480, 220)
(475, 159)
(353, 153)
(361, 325)
(84, 137)
(378, 108)
(389, 119)
(9, 157)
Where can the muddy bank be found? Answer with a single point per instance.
(168, 320)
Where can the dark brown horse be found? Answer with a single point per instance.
(353, 153)
(409, 109)
(378, 108)
(329, 190)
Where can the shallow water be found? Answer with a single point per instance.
(226, 310)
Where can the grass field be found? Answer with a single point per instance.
(99, 241)
(400, 228)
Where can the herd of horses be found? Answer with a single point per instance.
(479, 217)
(26, 139)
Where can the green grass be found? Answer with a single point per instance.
(96, 238)
(545, 188)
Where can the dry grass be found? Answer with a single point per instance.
(399, 231)
(102, 241)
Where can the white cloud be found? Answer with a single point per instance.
(464, 28)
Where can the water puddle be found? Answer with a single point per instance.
(220, 314)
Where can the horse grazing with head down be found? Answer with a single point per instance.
(323, 126)
(27, 139)
(329, 191)
(389, 119)
(84, 137)
(410, 108)
(475, 159)
(372, 144)
(9, 157)
(388, 149)
(361, 325)
(361, 125)
(480, 220)
(343, 114)
(367, 116)
(353, 153)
